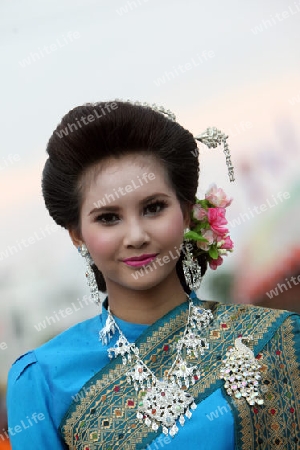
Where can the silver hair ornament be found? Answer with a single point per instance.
(211, 137)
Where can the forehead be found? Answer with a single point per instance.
(112, 173)
(116, 169)
(122, 164)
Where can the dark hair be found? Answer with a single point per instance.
(114, 130)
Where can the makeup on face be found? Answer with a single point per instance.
(128, 233)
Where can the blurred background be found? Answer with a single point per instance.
(227, 64)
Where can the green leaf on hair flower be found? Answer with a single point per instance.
(204, 203)
(194, 236)
(198, 228)
(205, 226)
(213, 252)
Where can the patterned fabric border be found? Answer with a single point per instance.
(277, 424)
(105, 418)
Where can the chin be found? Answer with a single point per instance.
(142, 286)
(133, 279)
(145, 282)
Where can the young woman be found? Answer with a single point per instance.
(158, 367)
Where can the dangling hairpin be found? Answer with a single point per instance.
(213, 137)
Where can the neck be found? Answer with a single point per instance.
(145, 306)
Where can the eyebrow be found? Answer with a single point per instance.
(111, 208)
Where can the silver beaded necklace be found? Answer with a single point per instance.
(163, 401)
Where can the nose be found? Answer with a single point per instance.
(136, 234)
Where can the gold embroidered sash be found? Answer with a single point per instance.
(105, 418)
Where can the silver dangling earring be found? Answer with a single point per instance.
(191, 269)
(90, 276)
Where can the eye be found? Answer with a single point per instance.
(107, 218)
(156, 207)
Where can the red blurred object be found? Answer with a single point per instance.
(270, 257)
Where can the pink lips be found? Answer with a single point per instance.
(137, 261)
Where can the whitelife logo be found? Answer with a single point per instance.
(276, 18)
(294, 100)
(274, 292)
(42, 233)
(161, 261)
(125, 190)
(256, 210)
(63, 313)
(47, 50)
(8, 160)
(183, 68)
(24, 425)
(130, 6)
(74, 126)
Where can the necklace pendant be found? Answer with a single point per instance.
(162, 404)
(107, 331)
(138, 375)
(189, 374)
(122, 347)
(200, 317)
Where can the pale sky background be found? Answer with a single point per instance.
(249, 88)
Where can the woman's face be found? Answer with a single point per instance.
(129, 210)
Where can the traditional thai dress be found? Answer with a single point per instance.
(84, 401)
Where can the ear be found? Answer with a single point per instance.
(75, 236)
(186, 210)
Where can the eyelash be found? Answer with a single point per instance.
(161, 203)
(103, 217)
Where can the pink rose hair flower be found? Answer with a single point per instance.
(217, 197)
(216, 220)
(225, 243)
(210, 236)
(215, 263)
(208, 227)
(199, 213)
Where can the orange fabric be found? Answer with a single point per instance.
(5, 445)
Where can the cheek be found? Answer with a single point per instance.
(173, 229)
(99, 244)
